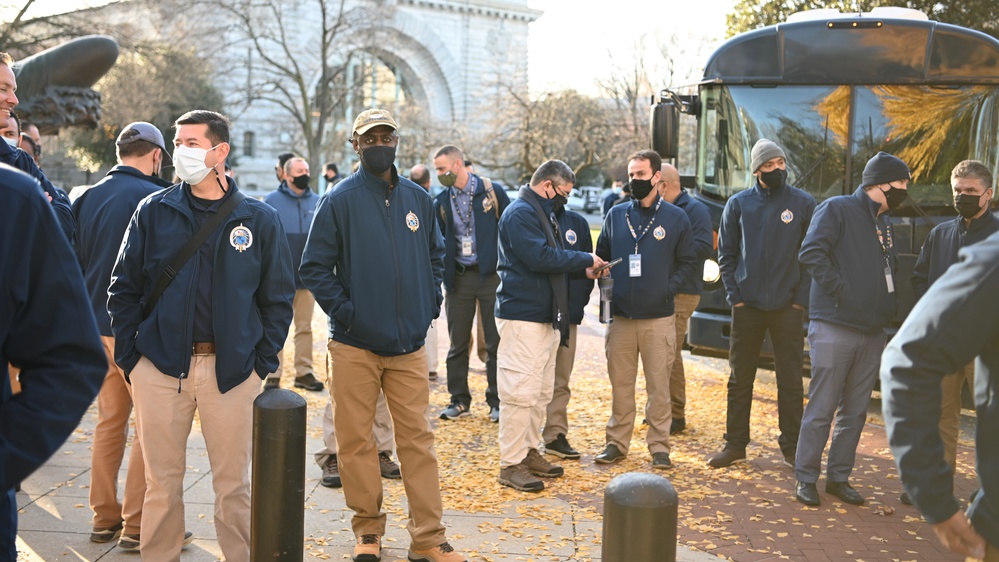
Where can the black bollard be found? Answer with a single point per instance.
(639, 519)
(277, 505)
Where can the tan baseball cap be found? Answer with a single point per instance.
(372, 118)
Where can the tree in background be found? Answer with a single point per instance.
(982, 15)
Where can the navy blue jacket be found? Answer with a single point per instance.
(576, 236)
(102, 214)
(668, 258)
(374, 260)
(703, 239)
(957, 320)
(296, 213)
(486, 228)
(253, 289)
(758, 240)
(48, 331)
(21, 160)
(846, 261)
(942, 244)
(526, 259)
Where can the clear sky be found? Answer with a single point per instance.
(571, 42)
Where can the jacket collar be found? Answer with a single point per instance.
(377, 184)
(768, 191)
(872, 205)
(981, 222)
(6, 149)
(177, 197)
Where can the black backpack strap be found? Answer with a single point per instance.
(180, 258)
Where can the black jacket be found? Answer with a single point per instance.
(576, 236)
(486, 228)
(942, 244)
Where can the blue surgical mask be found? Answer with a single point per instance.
(11, 142)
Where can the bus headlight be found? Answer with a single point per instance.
(712, 273)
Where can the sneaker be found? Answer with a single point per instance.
(561, 448)
(368, 549)
(494, 414)
(677, 426)
(331, 473)
(130, 542)
(727, 457)
(539, 466)
(440, 553)
(271, 384)
(611, 454)
(789, 459)
(388, 467)
(661, 461)
(518, 478)
(308, 381)
(105, 534)
(454, 411)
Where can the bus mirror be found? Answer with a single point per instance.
(665, 128)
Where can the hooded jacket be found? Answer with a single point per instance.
(252, 289)
(296, 212)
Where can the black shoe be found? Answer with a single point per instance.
(845, 492)
(807, 493)
(272, 383)
(789, 459)
(661, 461)
(454, 411)
(904, 498)
(561, 448)
(432, 376)
(677, 426)
(610, 455)
(308, 382)
(331, 473)
(494, 414)
(727, 457)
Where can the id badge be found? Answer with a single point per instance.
(891, 284)
(466, 246)
(635, 265)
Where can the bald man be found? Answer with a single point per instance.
(689, 293)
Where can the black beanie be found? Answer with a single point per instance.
(884, 168)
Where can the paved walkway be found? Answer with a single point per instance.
(746, 513)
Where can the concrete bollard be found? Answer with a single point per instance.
(639, 519)
(277, 512)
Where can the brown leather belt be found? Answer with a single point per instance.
(204, 348)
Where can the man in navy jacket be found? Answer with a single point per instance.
(48, 331)
(758, 241)
(102, 214)
(374, 260)
(654, 240)
(849, 252)
(532, 311)
(295, 203)
(210, 339)
(468, 213)
(955, 321)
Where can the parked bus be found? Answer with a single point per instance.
(833, 89)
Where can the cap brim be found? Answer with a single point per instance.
(368, 126)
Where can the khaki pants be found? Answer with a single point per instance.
(950, 409)
(359, 376)
(304, 305)
(654, 339)
(164, 418)
(384, 437)
(556, 416)
(683, 307)
(525, 378)
(431, 346)
(114, 406)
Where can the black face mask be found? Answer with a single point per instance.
(378, 159)
(640, 189)
(894, 196)
(967, 205)
(774, 179)
(301, 182)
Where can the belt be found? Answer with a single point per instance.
(461, 268)
(204, 348)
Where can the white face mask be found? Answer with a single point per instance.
(11, 142)
(189, 163)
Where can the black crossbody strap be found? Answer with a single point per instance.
(207, 228)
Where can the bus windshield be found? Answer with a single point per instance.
(830, 131)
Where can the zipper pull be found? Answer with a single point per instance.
(386, 202)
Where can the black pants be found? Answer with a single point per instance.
(459, 306)
(749, 327)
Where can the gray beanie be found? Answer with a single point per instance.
(884, 168)
(763, 151)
